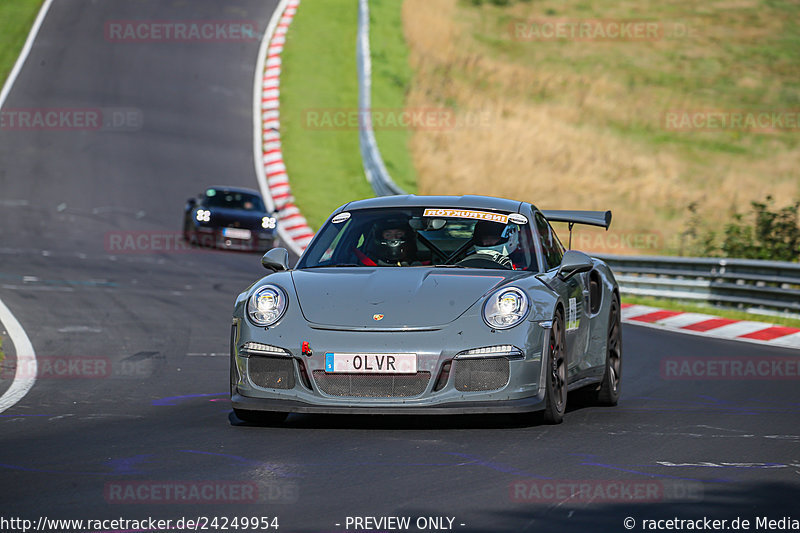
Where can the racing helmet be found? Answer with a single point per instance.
(393, 240)
(495, 237)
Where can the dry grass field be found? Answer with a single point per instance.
(583, 123)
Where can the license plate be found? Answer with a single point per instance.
(371, 363)
(236, 233)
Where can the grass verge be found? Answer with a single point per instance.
(319, 83)
(16, 19)
(576, 123)
(318, 79)
(391, 79)
(724, 312)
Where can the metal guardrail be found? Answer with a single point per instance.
(374, 168)
(768, 286)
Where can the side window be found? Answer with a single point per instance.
(551, 247)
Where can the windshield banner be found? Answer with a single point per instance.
(465, 213)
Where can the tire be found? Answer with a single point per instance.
(608, 394)
(556, 380)
(187, 234)
(261, 417)
(233, 377)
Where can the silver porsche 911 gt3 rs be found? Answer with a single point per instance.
(423, 305)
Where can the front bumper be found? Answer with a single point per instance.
(521, 405)
(259, 241)
(300, 392)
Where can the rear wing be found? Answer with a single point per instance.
(590, 218)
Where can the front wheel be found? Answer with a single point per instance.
(556, 382)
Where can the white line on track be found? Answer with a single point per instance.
(23, 55)
(25, 376)
(26, 357)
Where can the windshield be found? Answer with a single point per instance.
(414, 237)
(233, 200)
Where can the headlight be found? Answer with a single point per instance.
(505, 308)
(505, 350)
(267, 305)
(203, 215)
(268, 222)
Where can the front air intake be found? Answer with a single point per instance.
(271, 372)
(481, 374)
(372, 385)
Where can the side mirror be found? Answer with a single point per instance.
(573, 263)
(191, 202)
(276, 259)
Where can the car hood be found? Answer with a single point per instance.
(405, 297)
(236, 218)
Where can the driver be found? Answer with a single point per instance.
(393, 243)
(495, 241)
